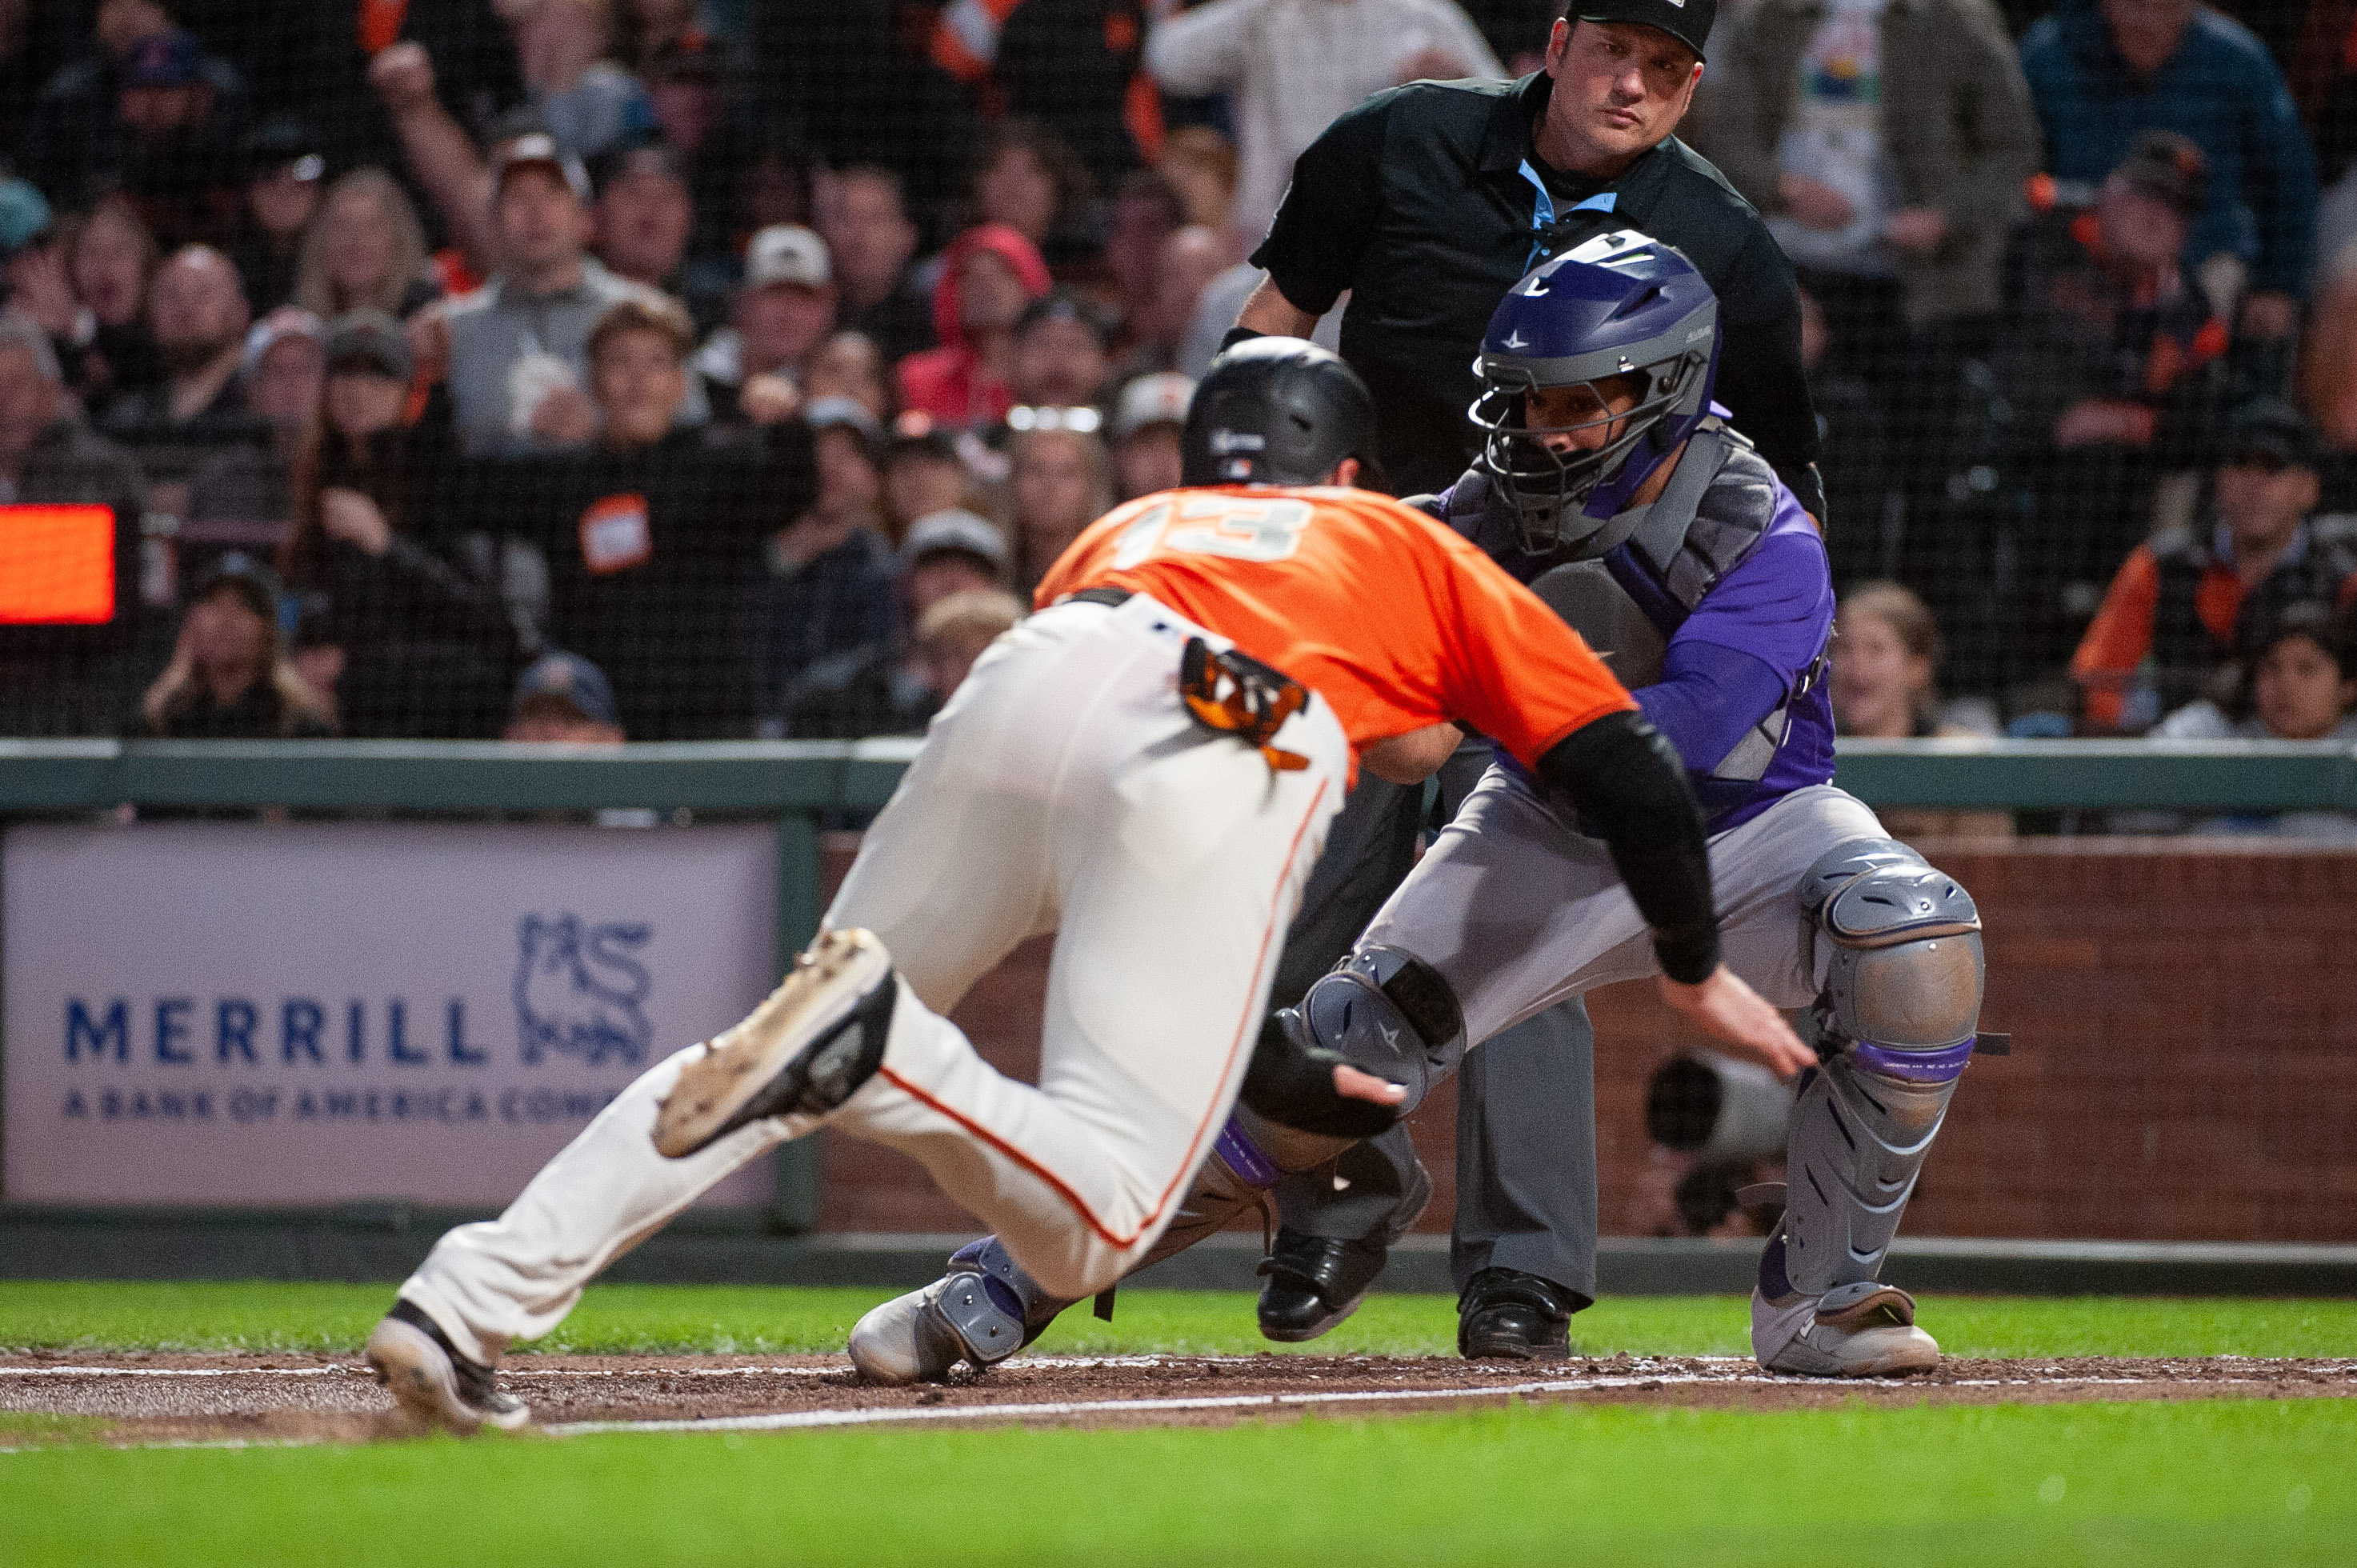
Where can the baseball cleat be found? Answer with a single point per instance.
(1313, 1282)
(430, 1379)
(802, 1053)
(1506, 1314)
(926, 1335)
(1865, 1330)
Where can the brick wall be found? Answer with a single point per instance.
(2184, 1067)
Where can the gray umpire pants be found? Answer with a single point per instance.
(1530, 1089)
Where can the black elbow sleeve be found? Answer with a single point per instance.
(1625, 780)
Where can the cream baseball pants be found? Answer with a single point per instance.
(1065, 787)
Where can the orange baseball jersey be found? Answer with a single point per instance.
(1396, 621)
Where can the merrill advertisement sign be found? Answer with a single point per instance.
(232, 1013)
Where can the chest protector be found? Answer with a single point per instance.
(1714, 512)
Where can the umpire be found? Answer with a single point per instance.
(1427, 202)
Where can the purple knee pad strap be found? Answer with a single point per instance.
(1243, 1156)
(1943, 1066)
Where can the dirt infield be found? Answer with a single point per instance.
(162, 1397)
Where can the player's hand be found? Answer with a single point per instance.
(1352, 1084)
(1739, 1019)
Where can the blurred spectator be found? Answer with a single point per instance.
(1188, 261)
(1289, 67)
(922, 475)
(1058, 482)
(561, 699)
(1145, 213)
(2115, 372)
(283, 366)
(888, 689)
(364, 249)
(1070, 64)
(702, 106)
(753, 367)
(564, 699)
(1864, 488)
(2100, 71)
(422, 638)
(150, 115)
(951, 551)
(197, 315)
(1886, 654)
(111, 259)
(1897, 220)
(2296, 680)
(229, 678)
(282, 169)
(588, 103)
(654, 535)
(988, 275)
(1201, 164)
(645, 217)
(240, 493)
(2167, 626)
(954, 633)
(2328, 379)
(827, 593)
(847, 365)
(33, 266)
(1145, 428)
(66, 679)
(864, 92)
(1027, 180)
(1060, 352)
(517, 347)
(864, 218)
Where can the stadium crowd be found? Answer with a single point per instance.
(669, 370)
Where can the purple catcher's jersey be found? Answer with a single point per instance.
(1753, 643)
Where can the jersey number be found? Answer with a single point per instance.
(1243, 528)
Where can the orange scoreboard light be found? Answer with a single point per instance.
(57, 566)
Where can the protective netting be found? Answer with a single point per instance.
(921, 258)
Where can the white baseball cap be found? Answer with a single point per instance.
(788, 253)
(955, 529)
(1158, 399)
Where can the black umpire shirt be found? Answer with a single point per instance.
(1429, 202)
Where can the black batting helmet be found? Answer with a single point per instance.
(1275, 411)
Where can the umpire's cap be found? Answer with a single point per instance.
(1275, 411)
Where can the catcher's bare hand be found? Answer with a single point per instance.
(1739, 1019)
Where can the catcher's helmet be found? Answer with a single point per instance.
(1275, 411)
(1622, 304)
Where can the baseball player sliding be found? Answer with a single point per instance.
(1146, 766)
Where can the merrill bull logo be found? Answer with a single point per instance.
(580, 991)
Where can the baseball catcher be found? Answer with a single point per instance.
(1611, 484)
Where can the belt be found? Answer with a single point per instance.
(1112, 598)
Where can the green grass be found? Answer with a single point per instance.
(2150, 1485)
(94, 1316)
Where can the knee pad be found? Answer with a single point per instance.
(1906, 969)
(1897, 1020)
(1382, 1011)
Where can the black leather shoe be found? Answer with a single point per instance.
(1507, 1315)
(1313, 1282)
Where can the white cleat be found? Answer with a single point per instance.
(800, 1054)
(436, 1384)
(924, 1335)
(1865, 1330)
